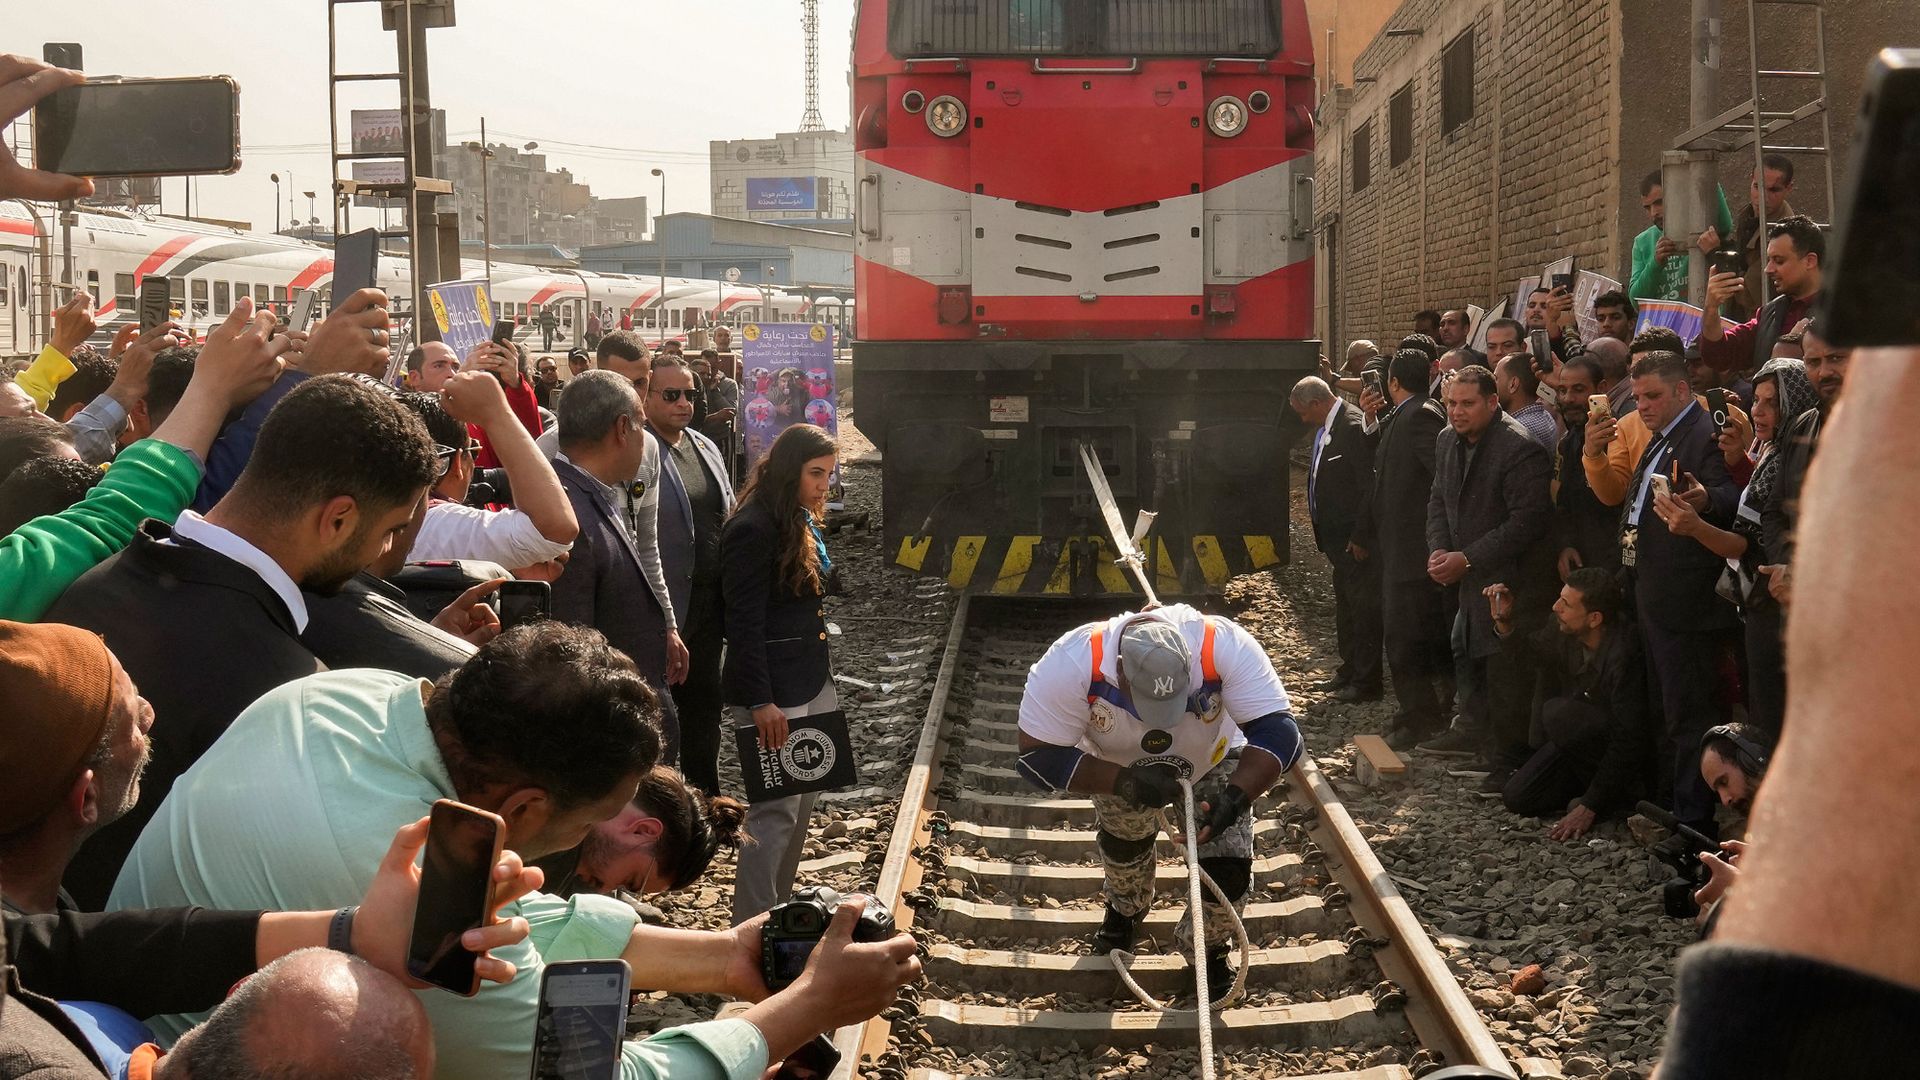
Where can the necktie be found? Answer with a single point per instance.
(1313, 471)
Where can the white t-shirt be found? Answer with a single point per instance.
(1055, 708)
(508, 537)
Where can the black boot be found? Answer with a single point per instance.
(1219, 977)
(1117, 933)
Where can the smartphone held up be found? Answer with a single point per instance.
(582, 1020)
(464, 844)
(140, 127)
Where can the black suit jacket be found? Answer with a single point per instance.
(202, 637)
(367, 625)
(777, 649)
(1582, 521)
(603, 586)
(1674, 576)
(1344, 480)
(1393, 518)
(1498, 512)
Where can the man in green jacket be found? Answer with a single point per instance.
(1659, 264)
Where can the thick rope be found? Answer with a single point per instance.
(1203, 1006)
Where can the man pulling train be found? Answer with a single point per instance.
(1119, 709)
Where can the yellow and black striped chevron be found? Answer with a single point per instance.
(1084, 565)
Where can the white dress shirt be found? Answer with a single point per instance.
(192, 526)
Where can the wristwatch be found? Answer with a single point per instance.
(340, 930)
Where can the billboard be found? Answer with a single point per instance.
(378, 131)
(379, 172)
(781, 193)
(788, 379)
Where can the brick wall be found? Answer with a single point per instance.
(1550, 162)
(1530, 177)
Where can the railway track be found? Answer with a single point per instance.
(1002, 885)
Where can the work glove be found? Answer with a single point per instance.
(1228, 807)
(1147, 786)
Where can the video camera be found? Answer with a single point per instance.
(1676, 895)
(795, 927)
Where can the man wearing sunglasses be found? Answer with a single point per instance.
(695, 499)
(539, 529)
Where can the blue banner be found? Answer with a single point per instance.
(463, 313)
(782, 193)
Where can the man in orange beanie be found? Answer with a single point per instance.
(73, 742)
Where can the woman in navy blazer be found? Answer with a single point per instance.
(774, 571)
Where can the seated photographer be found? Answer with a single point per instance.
(553, 730)
(322, 994)
(663, 841)
(1593, 737)
(539, 529)
(1733, 762)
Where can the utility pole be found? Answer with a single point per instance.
(1703, 104)
(416, 111)
(660, 240)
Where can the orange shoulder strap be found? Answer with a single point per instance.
(1099, 654)
(1207, 670)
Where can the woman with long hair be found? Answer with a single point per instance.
(774, 572)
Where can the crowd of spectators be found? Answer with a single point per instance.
(1578, 560)
(231, 700)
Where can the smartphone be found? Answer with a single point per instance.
(524, 601)
(456, 894)
(503, 332)
(582, 1020)
(1541, 346)
(1561, 282)
(1871, 296)
(303, 306)
(63, 54)
(355, 259)
(156, 301)
(1725, 261)
(1599, 407)
(1717, 407)
(1661, 485)
(140, 127)
(1372, 381)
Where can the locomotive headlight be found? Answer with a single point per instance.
(1227, 116)
(946, 116)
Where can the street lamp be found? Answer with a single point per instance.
(275, 177)
(660, 239)
(486, 196)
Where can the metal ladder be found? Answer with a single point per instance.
(399, 16)
(1758, 122)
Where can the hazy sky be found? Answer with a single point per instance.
(610, 88)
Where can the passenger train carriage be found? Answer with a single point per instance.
(209, 267)
(1082, 221)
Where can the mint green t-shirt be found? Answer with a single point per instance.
(293, 809)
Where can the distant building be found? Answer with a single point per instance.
(707, 246)
(534, 205)
(791, 177)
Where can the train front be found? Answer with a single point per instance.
(1082, 222)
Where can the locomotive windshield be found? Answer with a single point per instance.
(1208, 28)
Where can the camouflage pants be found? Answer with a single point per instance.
(1127, 834)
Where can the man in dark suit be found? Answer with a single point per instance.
(603, 441)
(1488, 517)
(695, 500)
(1391, 533)
(1586, 529)
(1686, 626)
(1339, 481)
(206, 614)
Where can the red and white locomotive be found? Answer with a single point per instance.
(1082, 221)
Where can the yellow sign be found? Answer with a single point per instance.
(752, 332)
(440, 312)
(818, 333)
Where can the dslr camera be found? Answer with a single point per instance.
(1682, 854)
(795, 927)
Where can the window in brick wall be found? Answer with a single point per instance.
(1400, 126)
(1361, 155)
(1456, 82)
